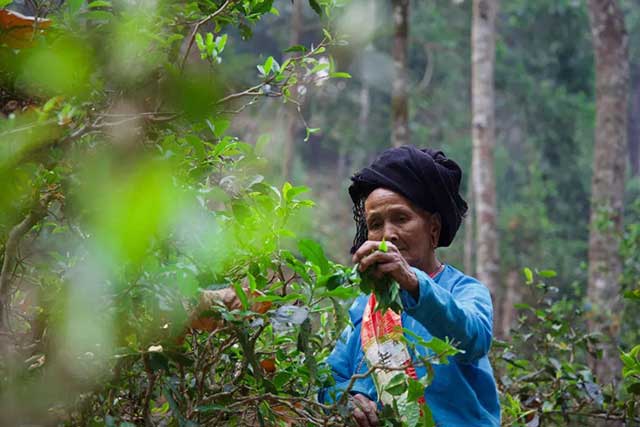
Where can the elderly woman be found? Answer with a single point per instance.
(410, 198)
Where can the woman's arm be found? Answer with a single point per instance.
(464, 314)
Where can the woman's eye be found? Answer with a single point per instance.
(374, 225)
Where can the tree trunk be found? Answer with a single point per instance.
(609, 159)
(507, 311)
(634, 121)
(469, 241)
(399, 96)
(292, 116)
(483, 136)
(363, 117)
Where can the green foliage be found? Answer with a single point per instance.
(631, 370)
(543, 372)
(211, 49)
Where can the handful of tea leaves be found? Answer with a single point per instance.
(386, 290)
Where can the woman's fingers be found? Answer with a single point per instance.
(381, 263)
(402, 274)
(365, 249)
(365, 411)
(392, 263)
(376, 257)
(373, 414)
(360, 417)
(372, 246)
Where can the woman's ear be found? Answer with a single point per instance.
(435, 226)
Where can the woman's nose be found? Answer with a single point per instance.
(390, 233)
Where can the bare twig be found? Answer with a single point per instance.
(241, 109)
(150, 116)
(252, 91)
(29, 127)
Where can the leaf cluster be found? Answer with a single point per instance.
(385, 289)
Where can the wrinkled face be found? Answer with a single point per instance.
(412, 230)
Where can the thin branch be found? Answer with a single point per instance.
(28, 127)
(241, 109)
(145, 114)
(251, 91)
(197, 27)
(155, 117)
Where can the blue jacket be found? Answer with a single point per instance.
(463, 393)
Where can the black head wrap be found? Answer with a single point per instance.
(425, 177)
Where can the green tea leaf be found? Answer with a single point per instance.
(340, 75)
(242, 296)
(268, 64)
(313, 252)
(295, 48)
(547, 274)
(415, 390)
(397, 385)
(528, 274)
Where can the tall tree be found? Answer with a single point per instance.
(483, 136)
(399, 96)
(469, 241)
(610, 43)
(634, 120)
(292, 116)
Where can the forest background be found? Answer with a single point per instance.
(147, 151)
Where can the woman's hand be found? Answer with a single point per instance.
(228, 297)
(364, 411)
(391, 262)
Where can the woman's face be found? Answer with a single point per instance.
(412, 230)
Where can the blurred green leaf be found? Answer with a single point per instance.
(340, 75)
(68, 64)
(547, 274)
(528, 274)
(74, 6)
(315, 6)
(296, 48)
